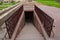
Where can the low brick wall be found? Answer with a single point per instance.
(37, 24)
(6, 15)
(45, 19)
(19, 26)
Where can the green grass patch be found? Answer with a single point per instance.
(6, 5)
(50, 3)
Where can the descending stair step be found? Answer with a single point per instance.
(29, 32)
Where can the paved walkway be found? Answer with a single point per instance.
(55, 14)
(29, 32)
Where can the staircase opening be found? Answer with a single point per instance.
(28, 16)
(29, 30)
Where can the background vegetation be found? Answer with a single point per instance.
(6, 5)
(55, 3)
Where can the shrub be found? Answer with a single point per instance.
(1, 3)
(12, 1)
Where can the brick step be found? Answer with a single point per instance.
(29, 32)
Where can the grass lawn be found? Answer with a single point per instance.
(6, 5)
(49, 3)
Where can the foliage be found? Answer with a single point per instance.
(49, 3)
(45, 0)
(12, 1)
(6, 5)
(1, 3)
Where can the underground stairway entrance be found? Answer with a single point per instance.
(23, 25)
(29, 32)
(28, 16)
